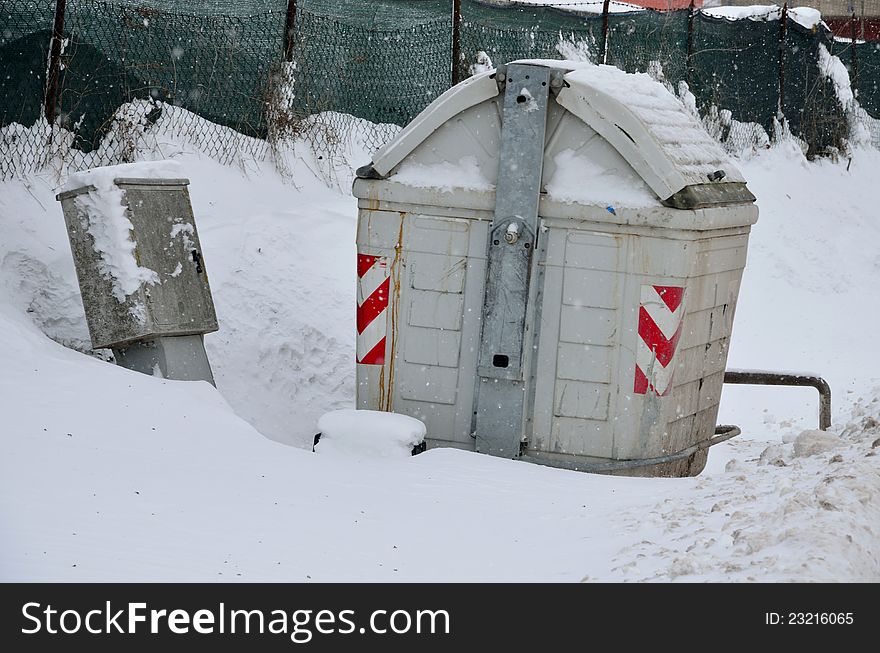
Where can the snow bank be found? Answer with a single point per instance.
(368, 434)
(327, 144)
(160, 458)
(794, 264)
(802, 511)
(278, 248)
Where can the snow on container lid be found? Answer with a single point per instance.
(648, 126)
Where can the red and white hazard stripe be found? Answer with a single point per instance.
(372, 308)
(661, 314)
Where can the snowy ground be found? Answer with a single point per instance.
(106, 474)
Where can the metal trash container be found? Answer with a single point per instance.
(140, 268)
(549, 258)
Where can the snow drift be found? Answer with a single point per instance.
(107, 474)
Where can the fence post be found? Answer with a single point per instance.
(690, 45)
(605, 30)
(783, 25)
(854, 62)
(456, 41)
(288, 30)
(50, 106)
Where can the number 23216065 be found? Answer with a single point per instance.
(808, 618)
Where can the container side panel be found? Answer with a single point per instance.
(583, 437)
(585, 400)
(427, 383)
(432, 347)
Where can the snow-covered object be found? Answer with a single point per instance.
(109, 226)
(683, 144)
(812, 442)
(585, 7)
(482, 63)
(445, 175)
(580, 180)
(832, 68)
(805, 16)
(104, 175)
(638, 208)
(136, 249)
(368, 434)
(644, 124)
(287, 90)
(751, 12)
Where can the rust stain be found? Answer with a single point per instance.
(369, 214)
(381, 397)
(373, 199)
(394, 307)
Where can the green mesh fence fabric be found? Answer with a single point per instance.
(862, 61)
(381, 75)
(636, 39)
(737, 69)
(380, 14)
(25, 30)
(811, 105)
(215, 66)
(384, 61)
(383, 14)
(523, 32)
(867, 75)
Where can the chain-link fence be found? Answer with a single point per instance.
(215, 66)
(234, 79)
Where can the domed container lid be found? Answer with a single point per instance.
(648, 140)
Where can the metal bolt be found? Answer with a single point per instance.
(512, 233)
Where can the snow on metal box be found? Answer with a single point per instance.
(641, 231)
(138, 260)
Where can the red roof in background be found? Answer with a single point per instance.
(866, 28)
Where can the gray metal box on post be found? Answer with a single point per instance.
(141, 270)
